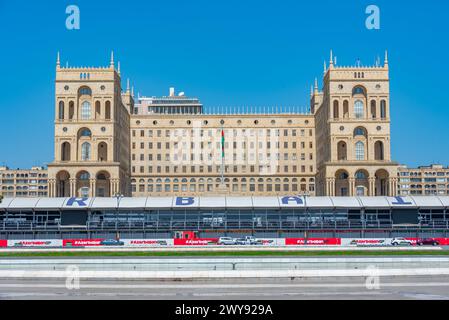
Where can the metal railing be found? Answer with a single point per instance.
(157, 226)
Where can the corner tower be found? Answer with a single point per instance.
(353, 132)
(92, 153)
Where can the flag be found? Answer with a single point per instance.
(222, 143)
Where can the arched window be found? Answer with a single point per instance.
(336, 110)
(84, 176)
(359, 109)
(383, 109)
(85, 91)
(373, 109)
(85, 151)
(379, 150)
(102, 152)
(360, 175)
(85, 111)
(65, 151)
(85, 133)
(61, 110)
(346, 109)
(342, 151)
(97, 110)
(358, 90)
(360, 151)
(108, 110)
(71, 110)
(360, 131)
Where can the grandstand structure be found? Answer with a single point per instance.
(163, 217)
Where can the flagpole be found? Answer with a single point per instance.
(222, 153)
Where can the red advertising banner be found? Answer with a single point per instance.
(82, 242)
(442, 241)
(3, 243)
(195, 242)
(313, 242)
(430, 241)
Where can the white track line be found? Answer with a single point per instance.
(232, 286)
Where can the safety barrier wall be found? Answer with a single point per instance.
(276, 242)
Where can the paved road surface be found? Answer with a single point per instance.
(418, 288)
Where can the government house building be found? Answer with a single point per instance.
(109, 142)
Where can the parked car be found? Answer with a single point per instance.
(401, 242)
(240, 242)
(226, 241)
(428, 242)
(112, 242)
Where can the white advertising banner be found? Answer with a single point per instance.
(366, 242)
(148, 242)
(34, 243)
(272, 242)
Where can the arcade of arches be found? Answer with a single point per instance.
(361, 183)
(84, 184)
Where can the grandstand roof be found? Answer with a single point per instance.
(224, 203)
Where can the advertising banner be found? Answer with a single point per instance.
(82, 242)
(313, 242)
(272, 242)
(442, 241)
(3, 243)
(34, 243)
(148, 243)
(195, 242)
(366, 242)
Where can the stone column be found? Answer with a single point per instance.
(113, 187)
(328, 186)
(52, 188)
(93, 187)
(351, 187)
(372, 187)
(72, 187)
(390, 187)
(333, 187)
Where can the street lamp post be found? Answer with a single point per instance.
(119, 197)
(305, 194)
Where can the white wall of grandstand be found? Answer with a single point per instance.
(423, 181)
(23, 183)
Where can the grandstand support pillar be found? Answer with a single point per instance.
(372, 187)
(72, 187)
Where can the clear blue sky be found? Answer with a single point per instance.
(228, 53)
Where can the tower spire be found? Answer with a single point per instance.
(58, 60)
(331, 61)
(325, 67)
(112, 64)
(118, 67)
(386, 58)
(316, 86)
(127, 86)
